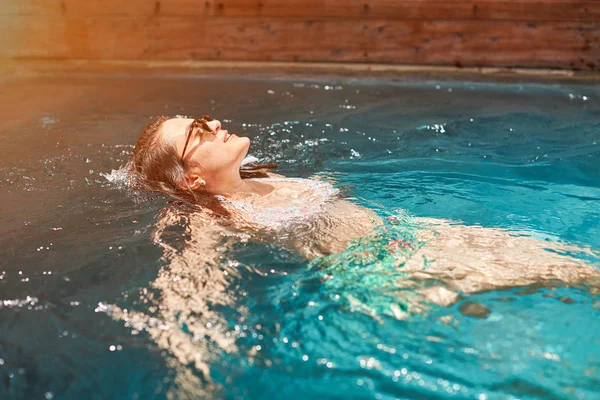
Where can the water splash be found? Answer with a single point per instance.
(119, 177)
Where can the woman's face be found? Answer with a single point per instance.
(215, 153)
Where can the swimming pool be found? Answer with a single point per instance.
(77, 246)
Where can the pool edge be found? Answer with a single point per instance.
(278, 70)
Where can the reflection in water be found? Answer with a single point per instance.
(182, 315)
(520, 158)
(402, 267)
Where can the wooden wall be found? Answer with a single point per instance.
(515, 33)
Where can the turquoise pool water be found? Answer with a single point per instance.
(77, 246)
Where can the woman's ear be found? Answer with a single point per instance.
(192, 182)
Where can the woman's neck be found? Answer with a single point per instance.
(235, 186)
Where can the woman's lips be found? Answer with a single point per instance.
(228, 136)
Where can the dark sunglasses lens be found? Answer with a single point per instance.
(207, 118)
(206, 127)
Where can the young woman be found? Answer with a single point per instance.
(200, 163)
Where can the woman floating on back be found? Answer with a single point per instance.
(404, 265)
(199, 162)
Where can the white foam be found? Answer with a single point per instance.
(119, 177)
(48, 121)
(250, 160)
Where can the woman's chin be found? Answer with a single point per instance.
(244, 145)
(244, 141)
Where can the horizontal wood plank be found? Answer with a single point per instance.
(461, 43)
(512, 10)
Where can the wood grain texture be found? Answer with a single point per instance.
(525, 33)
(466, 43)
(522, 10)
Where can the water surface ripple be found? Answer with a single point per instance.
(94, 304)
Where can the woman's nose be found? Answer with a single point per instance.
(214, 125)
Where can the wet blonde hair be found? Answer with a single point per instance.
(155, 166)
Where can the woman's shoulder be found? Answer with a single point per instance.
(323, 188)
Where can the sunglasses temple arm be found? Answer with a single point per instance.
(186, 145)
(205, 118)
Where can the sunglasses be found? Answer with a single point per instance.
(198, 128)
